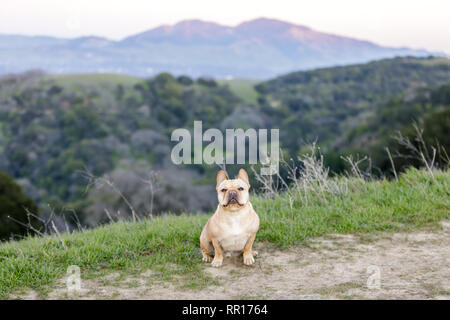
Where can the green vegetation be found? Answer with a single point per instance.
(169, 244)
(356, 206)
(60, 134)
(52, 128)
(94, 78)
(243, 89)
(429, 109)
(338, 105)
(12, 204)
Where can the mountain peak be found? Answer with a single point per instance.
(268, 23)
(196, 23)
(91, 42)
(196, 30)
(185, 31)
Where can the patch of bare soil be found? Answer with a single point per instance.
(388, 266)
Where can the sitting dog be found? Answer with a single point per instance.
(233, 226)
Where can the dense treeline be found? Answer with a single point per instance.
(74, 145)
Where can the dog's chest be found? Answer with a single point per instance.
(236, 235)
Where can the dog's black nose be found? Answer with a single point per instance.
(232, 195)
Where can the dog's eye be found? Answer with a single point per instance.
(241, 189)
(224, 190)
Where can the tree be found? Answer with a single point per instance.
(13, 205)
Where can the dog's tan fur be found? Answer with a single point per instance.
(233, 226)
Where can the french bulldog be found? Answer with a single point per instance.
(233, 226)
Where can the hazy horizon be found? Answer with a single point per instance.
(412, 24)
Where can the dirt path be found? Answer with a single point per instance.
(407, 265)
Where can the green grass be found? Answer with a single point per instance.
(415, 200)
(90, 78)
(243, 88)
(435, 61)
(169, 245)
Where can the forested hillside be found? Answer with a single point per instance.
(336, 105)
(72, 142)
(52, 130)
(426, 110)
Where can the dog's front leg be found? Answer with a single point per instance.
(218, 254)
(247, 252)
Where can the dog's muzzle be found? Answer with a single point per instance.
(232, 197)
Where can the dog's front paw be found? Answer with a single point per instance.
(216, 262)
(207, 258)
(248, 259)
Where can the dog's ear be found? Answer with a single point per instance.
(221, 176)
(243, 176)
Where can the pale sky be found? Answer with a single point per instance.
(415, 24)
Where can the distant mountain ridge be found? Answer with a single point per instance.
(259, 48)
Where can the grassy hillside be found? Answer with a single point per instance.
(94, 78)
(169, 244)
(243, 88)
